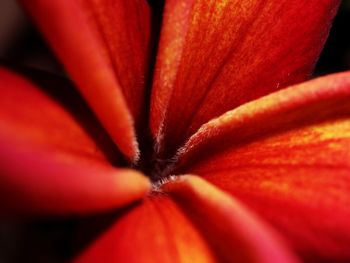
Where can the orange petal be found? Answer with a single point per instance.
(155, 230)
(49, 162)
(216, 55)
(287, 157)
(235, 233)
(103, 46)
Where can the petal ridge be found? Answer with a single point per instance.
(324, 96)
(205, 85)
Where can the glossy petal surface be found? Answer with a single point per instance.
(104, 53)
(287, 157)
(216, 55)
(235, 234)
(49, 163)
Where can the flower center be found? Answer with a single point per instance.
(156, 185)
(156, 169)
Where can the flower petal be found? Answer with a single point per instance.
(35, 183)
(155, 230)
(44, 110)
(49, 163)
(216, 55)
(104, 53)
(235, 233)
(161, 230)
(287, 157)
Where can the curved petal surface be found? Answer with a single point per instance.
(104, 53)
(49, 163)
(216, 55)
(155, 230)
(180, 224)
(32, 182)
(235, 233)
(287, 157)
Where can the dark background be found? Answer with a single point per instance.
(21, 43)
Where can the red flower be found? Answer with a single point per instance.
(270, 173)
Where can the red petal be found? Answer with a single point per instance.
(235, 233)
(103, 45)
(216, 55)
(287, 157)
(158, 231)
(155, 230)
(36, 113)
(34, 182)
(49, 163)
